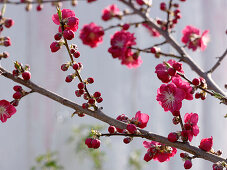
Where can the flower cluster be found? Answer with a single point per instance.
(158, 151)
(68, 23)
(93, 143)
(110, 12)
(121, 43)
(19, 93)
(190, 126)
(22, 70)
(174, 15)
(91, 35)
(166, 70)
(6, 110)
(192, 38)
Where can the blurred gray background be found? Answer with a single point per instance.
(42, 125)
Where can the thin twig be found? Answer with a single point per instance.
(218, 63)
(168, 15)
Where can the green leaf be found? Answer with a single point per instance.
(217, 95)
(59, 14)
(3, 9)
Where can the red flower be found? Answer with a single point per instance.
(131, 60)
(109, 12)
(91, 34)
(159, 151)
(184, 86)
(6, 110)
(141, 119)
(191, 121)
(192, 39)
(162, 71)
(206, 144)
(152, 31)
(170, 97)
(69, 19)
(121, 42)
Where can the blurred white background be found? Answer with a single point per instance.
(36, 129)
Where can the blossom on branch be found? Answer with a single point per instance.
(163, 72)
(140, 119)
(206, 144)
(170, 97)
(6, 110)
(190, 125)
(91, 35)
(68, 18)
(121, 43)
(184, 86)
(192, 38)
(110, 12)
(158, 151)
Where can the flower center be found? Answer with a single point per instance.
(92, 36)
(119, 44)
(169, 97)
(2, 110)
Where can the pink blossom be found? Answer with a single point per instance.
(69, 19)
(159, 151)
(152, 31)
(191, 121)
(131, 61)
(162, 71)
(91, 35)
(6, 110)
(121, 42)
(109, 12)
(141, 119)
(184, 86)
(170, 97)
(206, 144)
(192, 38)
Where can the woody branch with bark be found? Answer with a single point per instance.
(176, 86)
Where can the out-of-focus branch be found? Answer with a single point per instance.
(34, 2)
(111, 121)
(218, 63)
(184, 56)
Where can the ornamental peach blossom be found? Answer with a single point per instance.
(6, 110)
(141, 119)
(121, 42)
(192, 128)
(159, 151)
(109, 12)
(192, 38)
(184, 86)
(68, 18)
(162, 71)
(206, 144)
(91, 35)
(170, 97)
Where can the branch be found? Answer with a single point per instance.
(218, 62)
(184, 56)
(111, 121)
(34, 2)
